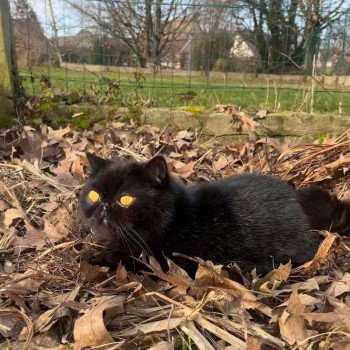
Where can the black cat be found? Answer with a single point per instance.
(254, 220)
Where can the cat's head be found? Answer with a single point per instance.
(127, 204)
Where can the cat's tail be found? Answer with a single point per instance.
(324, 211)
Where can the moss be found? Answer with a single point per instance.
(277, 131)
(82, 122)
(113, 111)
(81, 115)
(7, 122)
(194, 110)
(321, 138)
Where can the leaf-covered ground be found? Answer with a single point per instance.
(52, 298)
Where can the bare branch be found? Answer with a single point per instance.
(143, 27)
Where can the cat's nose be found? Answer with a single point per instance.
(105, 206)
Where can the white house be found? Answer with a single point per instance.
(242, 48)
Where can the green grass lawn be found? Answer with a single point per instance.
(164, 91)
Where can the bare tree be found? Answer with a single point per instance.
(146, 27)
(318, 16)
(287, 28)
(272, 27)
(32, 46)
(213, 37)
(55, 33)
(21, 10)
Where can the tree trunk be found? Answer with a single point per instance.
(142, 61)
(311, 49)
(55, 35)
(313, 28)
(264, 54)
(7, 63)
(157, 34)
(148, 28)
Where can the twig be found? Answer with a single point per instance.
(27, 320)
(56, 247)
(190, 329)
(200, 160)
(314, 155)
(12, 166)
(135, 155)
(14, 200)
(37, 172)
(301, 68)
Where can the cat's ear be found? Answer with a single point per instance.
(96, 163)
(158, 169)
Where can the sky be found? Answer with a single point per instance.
(69, 22)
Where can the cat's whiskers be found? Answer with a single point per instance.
(119, 232)
(140, 247)
(126, 242)
(143, 245)
(125, 235)
(91, 222)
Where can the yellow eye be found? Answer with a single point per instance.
(93, 196)
(126, 200)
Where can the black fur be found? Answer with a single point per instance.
(254, 220)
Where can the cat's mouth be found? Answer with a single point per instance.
(104, 218)
(104, 221)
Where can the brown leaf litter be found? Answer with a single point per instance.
(52, 298)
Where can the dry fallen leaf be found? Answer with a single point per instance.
(184, 170)
(46, 320)
(176, 276)
(32, 238)
(248, 123)
(24, 283)
(57, 224)
(254, 344)
(337, 288)
(210, 276)
(278, 275)
(12, 214)
(57, 135)
(220, 163)
(214, 310)
(322, 252)
(336, 319)
(92, 273)
(292, 323)
(10, 326)
(90, 329)
(154, 327)
(163, 345)
(262, 113)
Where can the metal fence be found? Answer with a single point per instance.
(287, 54)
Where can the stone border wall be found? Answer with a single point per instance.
(210, 124)
(213, 124)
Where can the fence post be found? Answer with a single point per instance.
(7, 64)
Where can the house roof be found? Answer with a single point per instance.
(82, 40)
(178, 38)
